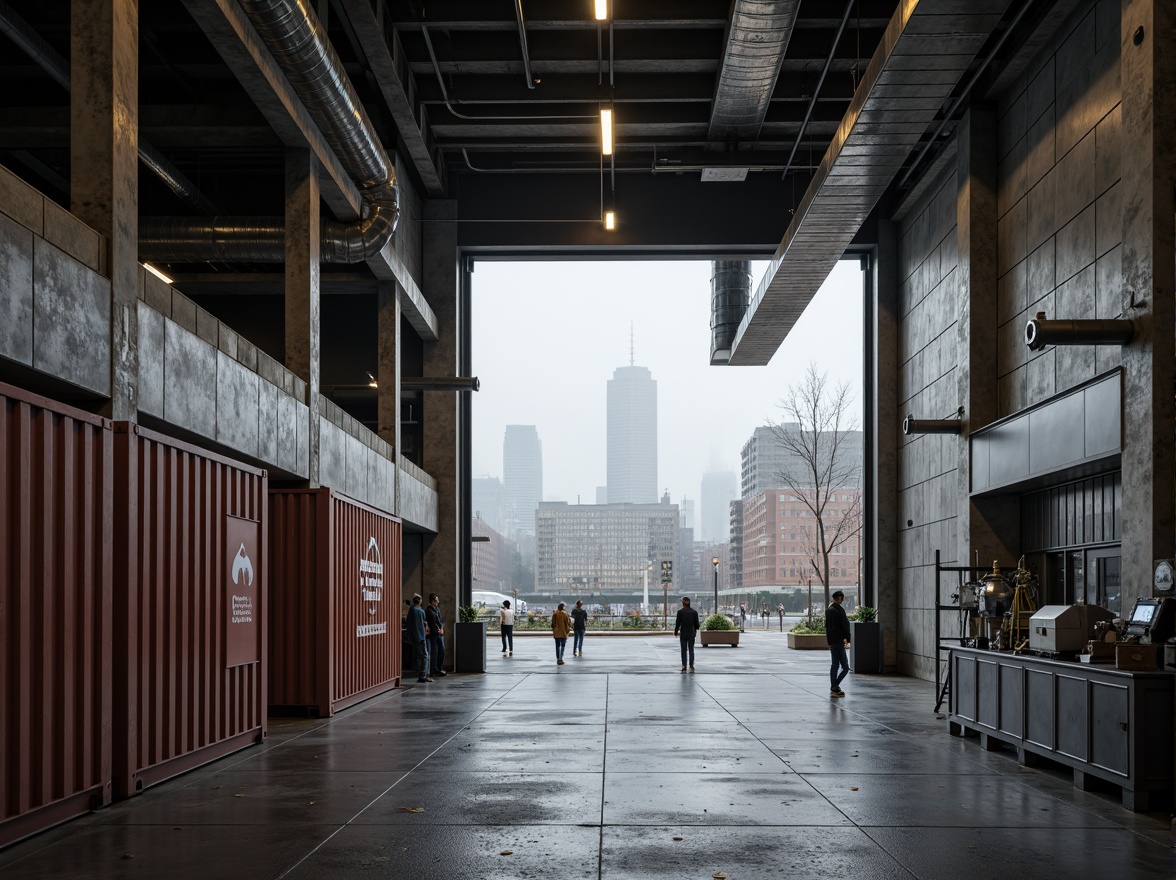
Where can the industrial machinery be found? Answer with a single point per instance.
(1064, 629)
(1014, 633)
(1153, 620)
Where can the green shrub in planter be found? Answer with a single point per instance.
(865, 614)
(718, 623)
(815, 628)
(467, 613)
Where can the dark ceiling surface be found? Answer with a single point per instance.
(496, 104)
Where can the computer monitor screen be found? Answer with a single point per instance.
(1143, 613)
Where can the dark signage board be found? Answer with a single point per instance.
(242, 591)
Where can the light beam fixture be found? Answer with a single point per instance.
(606, 131)
(158, 274)
(601, 10)
(610, 220)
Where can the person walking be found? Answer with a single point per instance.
(506, 625)
(418, 633)
(837, 635)
(579, 627)
(685, 626)
(561, 625)
(436, 627)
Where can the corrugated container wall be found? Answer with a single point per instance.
(335, 621)
(190, 602)
(56, 472)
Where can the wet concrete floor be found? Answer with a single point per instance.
(616, 765)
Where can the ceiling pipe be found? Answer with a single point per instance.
(299, 44)
(911, 425)
(440, 383)
(523, 44)
(1040, 332)
(21, 32)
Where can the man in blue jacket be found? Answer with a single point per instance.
(837, 635)
(418, 634)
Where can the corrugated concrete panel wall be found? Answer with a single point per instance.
(1058, 200)
(335, 623)
(928, 463)
(190, 601)
(56, 514)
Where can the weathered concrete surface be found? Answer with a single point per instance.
(593, 769)
(388, 372)
(417, 499)
(303, 318)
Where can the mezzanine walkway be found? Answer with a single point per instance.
(616, 766)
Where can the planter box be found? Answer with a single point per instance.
(719, 637)
(469, 646)
(865, 647)
(807, 642)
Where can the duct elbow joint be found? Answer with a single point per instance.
(1041, 332)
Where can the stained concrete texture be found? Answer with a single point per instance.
(616, 765)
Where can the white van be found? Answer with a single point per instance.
(489, 601)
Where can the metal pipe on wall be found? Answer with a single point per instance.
(730, 294)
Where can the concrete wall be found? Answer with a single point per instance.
(1058, 251)
(409, 230)
(197, 374)
(1058, 200)
(418, 496)
(355, 461)
(54, 297)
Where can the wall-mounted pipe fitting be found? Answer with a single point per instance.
(1040, 332)
(911, 425)
(441, 383)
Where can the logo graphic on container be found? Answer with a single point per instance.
(242, 567)
(371, 588)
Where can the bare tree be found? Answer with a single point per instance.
(822, 464)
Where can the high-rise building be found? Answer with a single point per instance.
(604, 548)
(735, 558)
(780, 539)
(487, 501)
(491, 560)
(632, 436)
(764, 458)
(686, 506)
(522, 478)
(719, 489)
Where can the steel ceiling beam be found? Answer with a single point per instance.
(889, 114)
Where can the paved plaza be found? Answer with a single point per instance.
(616, 766)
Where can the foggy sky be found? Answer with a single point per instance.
(547, 337)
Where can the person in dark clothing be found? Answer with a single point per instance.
(418, 634)
(685, 626)
(579, 626)
(837, 635)
(436, 635)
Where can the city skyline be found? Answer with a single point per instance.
(632, 436)
(558, 382)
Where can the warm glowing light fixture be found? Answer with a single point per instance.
(157, 273)
(602, 10)
(610, 220)
(372, 383)
(606, 131)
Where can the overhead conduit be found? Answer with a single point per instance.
(927, 48)
(299, 44)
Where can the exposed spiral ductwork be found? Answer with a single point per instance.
(757, 38)
(299, 44)
(730, 293)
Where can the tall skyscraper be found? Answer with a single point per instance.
(632, 436)
(719, 489)
(486, 499)
(522, 478)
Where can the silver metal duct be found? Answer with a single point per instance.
(299, 44)
(757, 38)
(730, 292)
(21, 32)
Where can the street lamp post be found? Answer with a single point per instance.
(715, 563)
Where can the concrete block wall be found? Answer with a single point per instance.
(355, 461)
(928, 388)
(1058, 201)
(418, 496)
(199, 375)
(54, 295)
(408, 228)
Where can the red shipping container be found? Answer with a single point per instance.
(335, 613)
(190, 601)
(56, 474)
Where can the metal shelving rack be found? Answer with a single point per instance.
(964, 574)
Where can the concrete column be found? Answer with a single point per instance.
(303, 325)
(388, 371)
(883, 425)
(440, 411)
(1148, 64)
(104, 168)
(990, 526)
